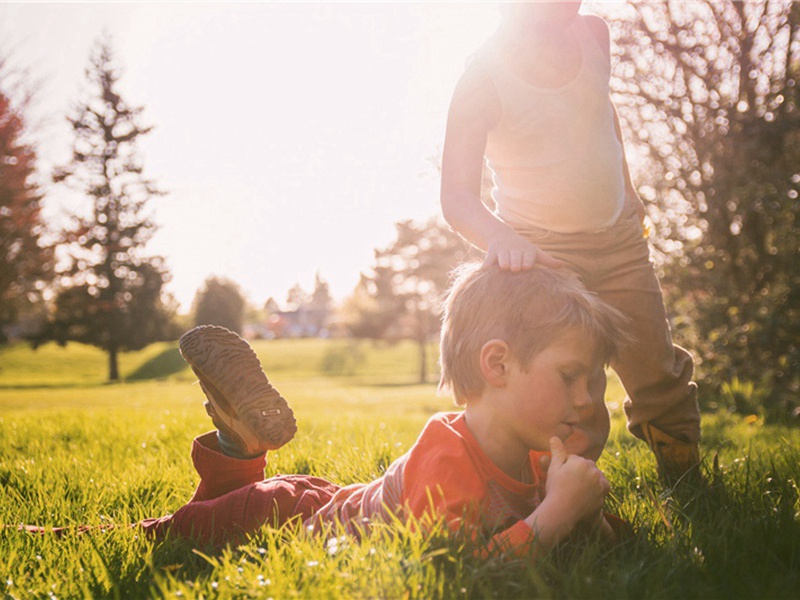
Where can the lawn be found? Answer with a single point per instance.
(74, 450)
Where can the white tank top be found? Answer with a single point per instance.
(555, 158)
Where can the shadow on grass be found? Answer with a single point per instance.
(165, 364)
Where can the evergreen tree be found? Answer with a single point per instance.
(220, 302)
(25, 261)
(401, 296)
(320, 304)
(111, 292)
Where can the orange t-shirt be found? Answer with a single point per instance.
(446, 475)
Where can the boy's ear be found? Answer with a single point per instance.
(495, 357)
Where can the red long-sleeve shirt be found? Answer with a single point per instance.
(446, 475)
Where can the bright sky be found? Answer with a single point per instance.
(289, 136)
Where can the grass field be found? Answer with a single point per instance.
(74, 450)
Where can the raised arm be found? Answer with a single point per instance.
(474, 111)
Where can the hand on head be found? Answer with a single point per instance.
(512, 252)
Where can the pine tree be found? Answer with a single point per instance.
(25, 261)
(112, 291)
(401, 296)
(220, 302)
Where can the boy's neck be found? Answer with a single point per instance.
(540, 36)
(549, 59)
(508, 455)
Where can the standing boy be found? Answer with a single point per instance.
(534, 104)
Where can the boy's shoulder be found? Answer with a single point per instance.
(445, 440)
(599, 29)
(475, 98)
(442, 457)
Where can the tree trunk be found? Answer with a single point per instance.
(423, 361)
(113, 368)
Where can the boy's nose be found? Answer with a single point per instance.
(583, 398)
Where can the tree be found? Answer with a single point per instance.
(372, 308)
(220, 302)
(108, 278)
(297, 297)
(401, 296)
(319, 306)
(711, 89)
(309, 312)
(147, 315)
(25, 260)
(271, 306)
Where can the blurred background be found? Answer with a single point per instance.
(273, 167)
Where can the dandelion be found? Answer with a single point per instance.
(9, 582)
(214, 585)
(312, 563)
(333, 545)
(261, 551)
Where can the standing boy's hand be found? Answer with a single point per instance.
(575, 490)
(512, 252)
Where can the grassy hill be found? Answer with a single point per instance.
(75, 450)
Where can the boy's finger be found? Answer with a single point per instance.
(503, 261)
(528, 260)
(604, 484)
(557, 451)
(491, 259)
(545, 260)
(544, 462)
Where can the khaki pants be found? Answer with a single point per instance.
(657, 375)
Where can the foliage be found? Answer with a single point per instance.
(111, 292)
(25, 260)
(400, 297)
(220, 302)
(320, 303)
(712, 91)
(145, 318)
(59, 465)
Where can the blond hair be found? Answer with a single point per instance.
(527, 310)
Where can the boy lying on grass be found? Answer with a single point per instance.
(521, 351)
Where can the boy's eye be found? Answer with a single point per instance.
(568, 377)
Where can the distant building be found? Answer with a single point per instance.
(304, 322)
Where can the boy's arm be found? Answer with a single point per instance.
(576, 489)
(599, 28)
(474, 110)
